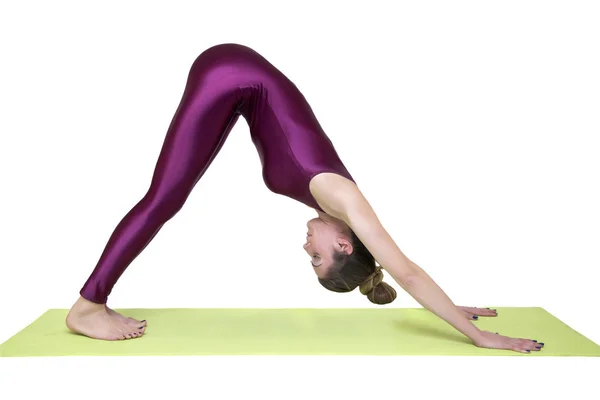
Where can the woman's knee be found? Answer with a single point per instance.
(163, 208)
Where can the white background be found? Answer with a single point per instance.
(470, 126)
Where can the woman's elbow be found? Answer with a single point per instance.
(405, 274)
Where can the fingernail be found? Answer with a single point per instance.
(475, 317)
(529, 351)
(488, 308)
(143, 320)
(141, 327)
(541, 343)
(535, 341)
(538, 347)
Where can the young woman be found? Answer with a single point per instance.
(299, 161)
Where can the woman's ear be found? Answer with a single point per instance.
(344, 245)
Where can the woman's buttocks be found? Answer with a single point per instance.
(233, 65)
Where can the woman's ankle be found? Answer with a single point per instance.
(83, 304)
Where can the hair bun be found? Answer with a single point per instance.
(372, 281)
(376, 290)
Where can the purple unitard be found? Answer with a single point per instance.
(224, 82)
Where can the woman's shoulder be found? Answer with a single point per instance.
(333, 192)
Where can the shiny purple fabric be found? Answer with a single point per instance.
(224, 82)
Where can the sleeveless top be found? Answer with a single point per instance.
(291, 143)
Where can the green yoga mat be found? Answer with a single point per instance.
(300, 331)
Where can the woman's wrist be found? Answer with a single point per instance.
(476, 335)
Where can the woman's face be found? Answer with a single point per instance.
(325, 236)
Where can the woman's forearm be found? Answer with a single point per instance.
(423, 289)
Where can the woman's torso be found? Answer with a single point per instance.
(292, 146)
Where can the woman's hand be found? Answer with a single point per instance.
(490, 340)
(474, 312)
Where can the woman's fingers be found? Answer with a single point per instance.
(469, 315)
(526, 345)
(485, 312)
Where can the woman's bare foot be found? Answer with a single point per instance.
(92, 320)
(130, 321)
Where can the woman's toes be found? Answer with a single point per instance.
(139, 324)
(135, 324)
(137, 332)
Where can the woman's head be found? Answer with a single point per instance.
(342, 262)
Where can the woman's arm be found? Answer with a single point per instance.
(361, 218)
(341, 199)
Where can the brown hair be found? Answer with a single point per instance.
(358, 269)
